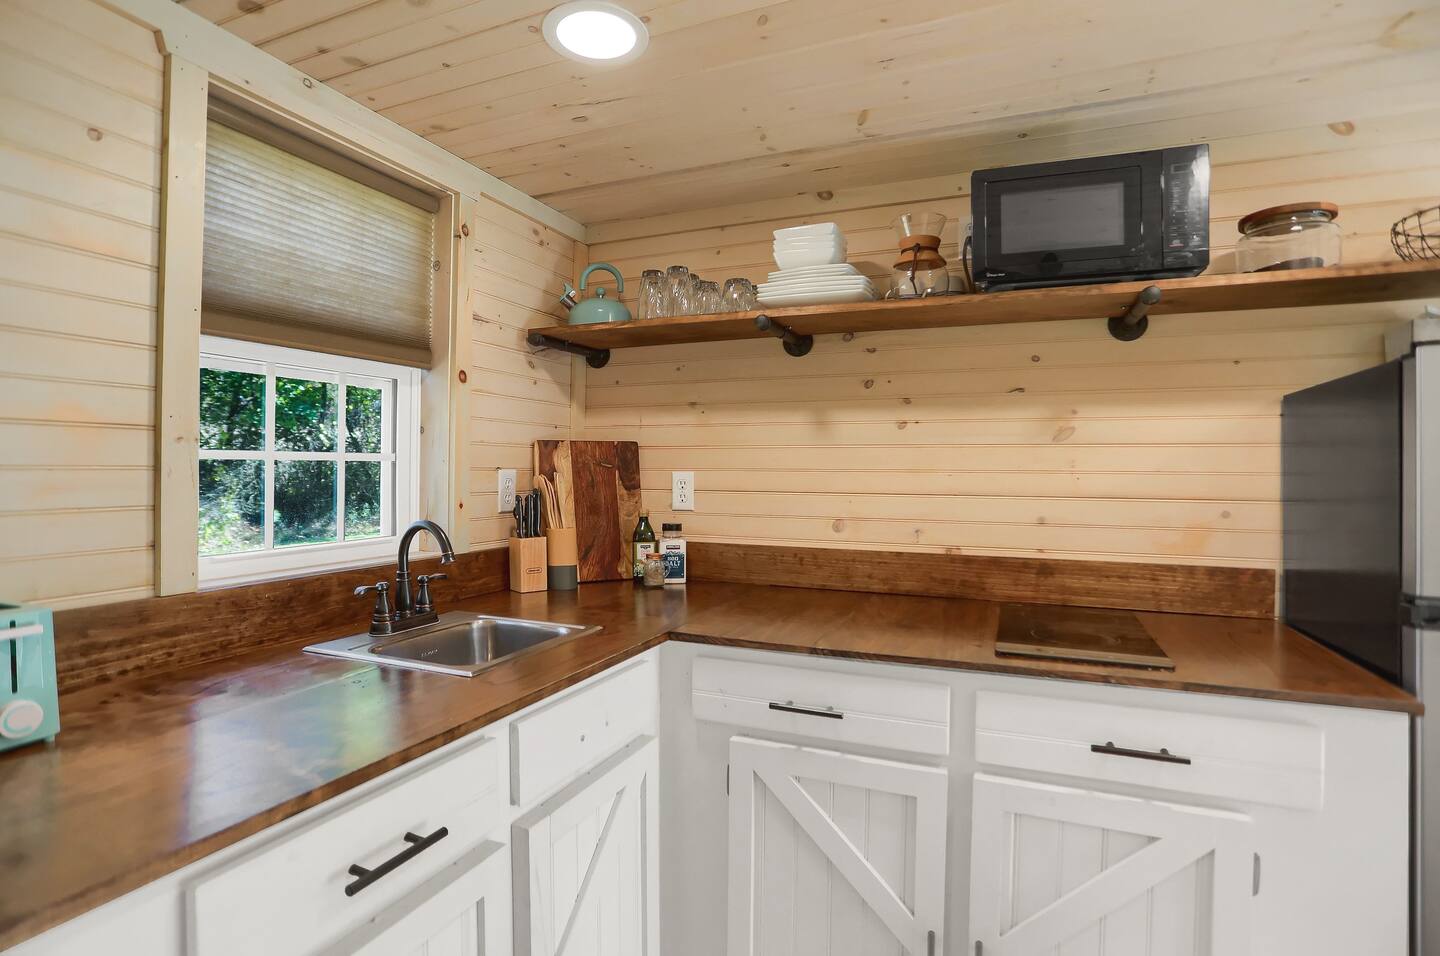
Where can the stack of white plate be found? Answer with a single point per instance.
(813, 270)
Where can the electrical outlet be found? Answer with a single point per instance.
(505, 497)
(682, 491)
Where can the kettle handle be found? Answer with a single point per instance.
(619, 280)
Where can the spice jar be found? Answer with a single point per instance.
(1300, 235)
(653, 571)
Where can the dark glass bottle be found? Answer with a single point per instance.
(643, 543)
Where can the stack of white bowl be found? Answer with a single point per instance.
(813, 270)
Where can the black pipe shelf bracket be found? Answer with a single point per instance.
(595, 358)
(794, 343)
(1132, 325)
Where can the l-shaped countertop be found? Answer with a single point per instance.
(149, 774)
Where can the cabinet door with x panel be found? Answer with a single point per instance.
(1072, 872)
(834, 854)
(586, 862)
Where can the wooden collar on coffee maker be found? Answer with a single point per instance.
(922, 251)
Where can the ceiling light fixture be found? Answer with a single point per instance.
(596, 32)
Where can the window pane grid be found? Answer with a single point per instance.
(271, 456)
(220, 454)
(340, 435)
(270, 474)
(302, 510)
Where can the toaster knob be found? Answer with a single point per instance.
(20, 718)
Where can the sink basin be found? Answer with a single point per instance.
(459, 643)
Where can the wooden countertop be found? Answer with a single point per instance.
(153, 773)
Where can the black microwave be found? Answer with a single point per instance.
(1132, 216)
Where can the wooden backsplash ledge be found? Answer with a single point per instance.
(100, 643)
(1176, 588)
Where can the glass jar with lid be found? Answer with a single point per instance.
(1300, 235)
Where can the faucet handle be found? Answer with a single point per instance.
(381, 617)
(423, 603)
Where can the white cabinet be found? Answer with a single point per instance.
(833, 853)
(1275, 761)
(1279, 828)
(297, 893)
(462, 911)
(586, 864)
(1057, 869)
(1321, 791)
(890, 802)
(556, 740)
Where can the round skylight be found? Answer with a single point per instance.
(593, 31)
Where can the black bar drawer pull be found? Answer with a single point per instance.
(418, 845)
(790, 708)
(1162, 755)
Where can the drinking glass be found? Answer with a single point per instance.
(739, 296)
(651, 302)
(694, 295)
(678, 292)
(707, 299)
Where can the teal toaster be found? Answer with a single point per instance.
(29, 702)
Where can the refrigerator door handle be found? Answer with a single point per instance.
(1420, 612)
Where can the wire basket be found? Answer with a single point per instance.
(1417, 236)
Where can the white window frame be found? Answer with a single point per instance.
(401, 425)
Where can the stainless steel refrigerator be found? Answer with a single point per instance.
(1361, 472)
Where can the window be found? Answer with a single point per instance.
(307, 460)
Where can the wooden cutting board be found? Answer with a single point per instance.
(601, 500)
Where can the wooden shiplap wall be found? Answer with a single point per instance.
(516, 395)
(81, 100)
(80, 128)
(1048, 439)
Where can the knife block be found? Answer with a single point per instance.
(527, 564)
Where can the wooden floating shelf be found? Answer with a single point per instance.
(1340, 285)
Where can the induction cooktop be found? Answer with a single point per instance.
(1084, 634)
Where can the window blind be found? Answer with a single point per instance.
(297, 254)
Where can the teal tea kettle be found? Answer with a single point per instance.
(597, 308)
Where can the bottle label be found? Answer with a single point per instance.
(674, 563)
(642, 548)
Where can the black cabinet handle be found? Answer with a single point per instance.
(1162, 755)
(418, 845)
(808, 711)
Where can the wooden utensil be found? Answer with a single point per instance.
(597, 490)
(564, 500)
(554, 517)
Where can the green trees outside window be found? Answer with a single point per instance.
(299, 461)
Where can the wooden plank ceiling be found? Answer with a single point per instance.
(739, 100)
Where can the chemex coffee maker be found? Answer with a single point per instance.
(920, 270)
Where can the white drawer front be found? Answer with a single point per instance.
(288, 897)
(1261, 761)
(885, 712)
(559, 740)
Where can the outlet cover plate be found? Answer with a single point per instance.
(505, 496)
(682, 491)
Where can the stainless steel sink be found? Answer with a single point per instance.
(459, 643)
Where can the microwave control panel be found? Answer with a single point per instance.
(1186, 175)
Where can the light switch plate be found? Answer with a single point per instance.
(505, 496)
(682, 491)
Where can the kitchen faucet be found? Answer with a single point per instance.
(408, 613)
